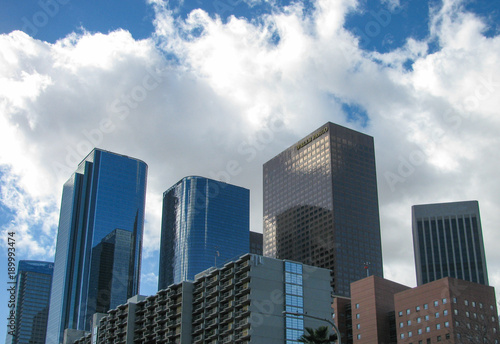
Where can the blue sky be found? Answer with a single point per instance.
(192, 87)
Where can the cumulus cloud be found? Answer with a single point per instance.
(218, 99)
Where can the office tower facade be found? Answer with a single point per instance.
(321, 205)
(204, 224)
(99, 241)
(448, 241)
(256, 243)
(33, 283)
(241, 302)
(447, 310)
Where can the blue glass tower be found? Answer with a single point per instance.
(204, 224)
(33, 283)
(99, 241)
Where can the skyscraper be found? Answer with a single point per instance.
(204, 224)
(99, 240)
(448, 242)
(321, 205)
(33, 282)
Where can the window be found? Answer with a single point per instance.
(438, 326)
(400, 313)
(357, 316)
(358, 326)
(402, 336)
(417, 308)
(426, 318)
(401, 325)
(445, 301)
(437, 315)
(408, 311)
(419, 320)
(446, 324)
(357, 305)
(410, 334)
(473, 303)
(428, 329)
(445, 312)
(447, 336)
(359, 336)
(436, 303)
(419, 331)
(454, 300)
(426, 306)
(466, 302)
(408, 322)
(438, 338)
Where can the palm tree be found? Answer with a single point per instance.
(318, 336)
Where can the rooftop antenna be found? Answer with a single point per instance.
(367, 268)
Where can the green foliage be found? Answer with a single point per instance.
(318, 336)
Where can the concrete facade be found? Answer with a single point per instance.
(241, 302)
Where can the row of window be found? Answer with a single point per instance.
(425, 306)
(427, 330)
(438, 339)
(426, 318)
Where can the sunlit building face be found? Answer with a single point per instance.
(321, 205)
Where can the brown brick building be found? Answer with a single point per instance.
(448, 310)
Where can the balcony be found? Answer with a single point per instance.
(212, 333)
(211, 313)
(228, 339)
(244, 277)
(198, 339)
(198, 328)
(243, 266)
(227, 294)
(212, 322)
(243, 300)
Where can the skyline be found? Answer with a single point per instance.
(192, 95)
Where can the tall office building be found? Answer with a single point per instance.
(321, 205)
(448, 242)
(256, 243)
(204, 224)
(33, 282)
(99, 241)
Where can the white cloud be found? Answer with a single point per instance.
(201, 95)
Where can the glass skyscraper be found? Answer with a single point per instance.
(33, 283)
(205, 223)
(99, 241)
(448, 242)
(321, 205)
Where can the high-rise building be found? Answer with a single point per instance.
(205, 223)
(33, 282)
(256, 243)
(321, 205)
(241, 302)
(448, 242)
(99, 241)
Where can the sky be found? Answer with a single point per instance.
(217, 88)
